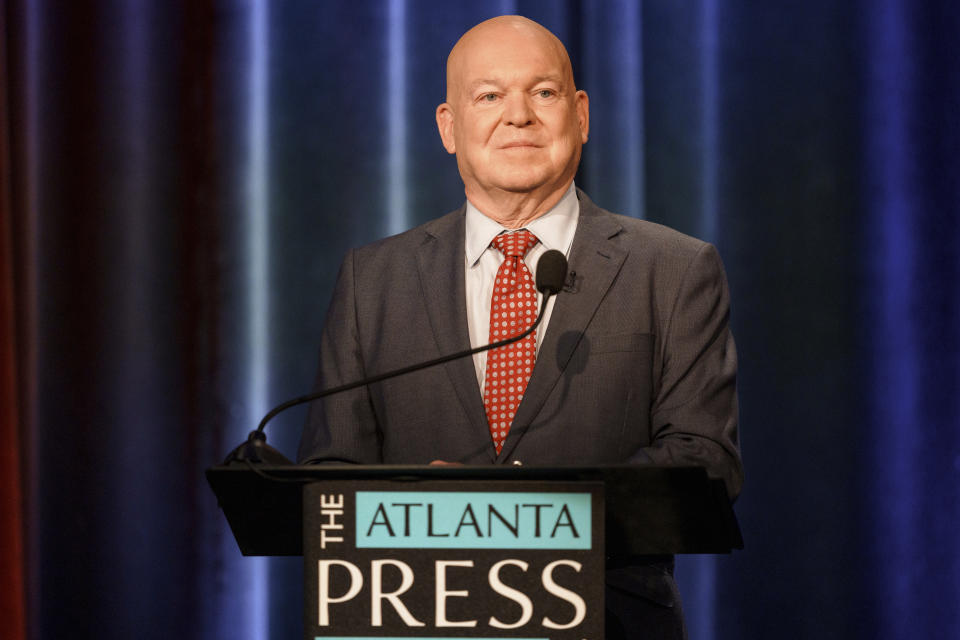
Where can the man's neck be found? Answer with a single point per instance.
(515, 210)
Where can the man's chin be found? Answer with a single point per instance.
(521, 184)
(517, 181)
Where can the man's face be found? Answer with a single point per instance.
(513, 116)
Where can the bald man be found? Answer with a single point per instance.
(633, 363)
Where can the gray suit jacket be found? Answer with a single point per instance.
(637, 363)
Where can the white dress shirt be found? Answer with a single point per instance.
(555, 230)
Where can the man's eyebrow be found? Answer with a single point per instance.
(476, 84)
(550, 77)
(484, 82)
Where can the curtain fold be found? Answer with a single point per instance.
(13, 577)
(911, 191)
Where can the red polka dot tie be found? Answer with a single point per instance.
(513, 309)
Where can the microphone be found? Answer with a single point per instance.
(550, 279)
(551, 274)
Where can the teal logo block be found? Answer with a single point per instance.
(473, 520)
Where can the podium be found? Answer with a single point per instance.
(468, 551)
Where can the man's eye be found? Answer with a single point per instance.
(546, 93)
(489, 97)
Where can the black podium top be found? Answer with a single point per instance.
(651, 510)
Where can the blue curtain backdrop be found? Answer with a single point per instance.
(185, 177)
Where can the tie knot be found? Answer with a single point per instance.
(515, 244)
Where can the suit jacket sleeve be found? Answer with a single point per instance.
(324, 439)
(693, 415)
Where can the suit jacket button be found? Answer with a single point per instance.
(517, 463)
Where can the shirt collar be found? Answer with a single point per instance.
(554, 229)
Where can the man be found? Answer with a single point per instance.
(634, 361)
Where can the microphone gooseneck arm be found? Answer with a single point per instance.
(551, 274)
(316, 395)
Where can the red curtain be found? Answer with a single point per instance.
(12, 600)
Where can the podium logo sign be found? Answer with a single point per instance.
(473, 520)
(453, 559)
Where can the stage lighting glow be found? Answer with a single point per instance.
(397, 196)
(256, 597)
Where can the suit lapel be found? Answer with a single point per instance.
(596, 259)
(441, 264)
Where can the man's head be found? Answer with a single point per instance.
(513, 115)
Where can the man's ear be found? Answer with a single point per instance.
(582, 104)
(445, 125)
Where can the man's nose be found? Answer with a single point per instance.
(518, 111)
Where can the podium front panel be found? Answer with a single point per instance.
(453, 559)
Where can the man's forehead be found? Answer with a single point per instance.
(504, 46)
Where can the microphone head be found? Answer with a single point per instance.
(551, 272)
